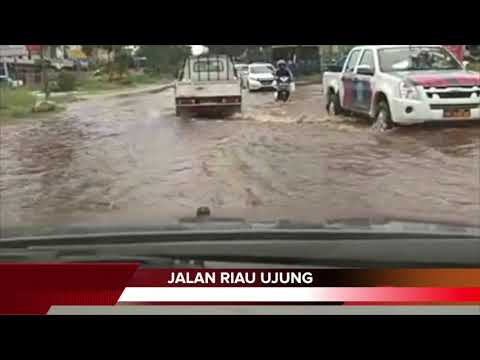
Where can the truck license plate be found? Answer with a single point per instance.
(457, 113)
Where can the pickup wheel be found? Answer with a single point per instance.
(383, 118)
(333, 104)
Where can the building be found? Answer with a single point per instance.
(12, 51)
(22, 60)
(309, 59)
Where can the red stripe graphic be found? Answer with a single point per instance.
(215, 295)
(33, 289)
(444, 81)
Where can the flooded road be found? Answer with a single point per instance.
(128, 160)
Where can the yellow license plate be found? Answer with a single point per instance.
(457, 113)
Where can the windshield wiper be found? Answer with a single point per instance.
(315, 248)
(212, 228)
(348, 242)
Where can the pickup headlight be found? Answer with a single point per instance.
(408, 91)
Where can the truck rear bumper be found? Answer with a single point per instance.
(408, 112)
(208, 109)
(208, 105)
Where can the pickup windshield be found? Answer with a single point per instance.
(416, 59)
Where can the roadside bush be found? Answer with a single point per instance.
(167, 71)
(121, 63)
(66, 81)
(20, 97)
(17, 102)
(126, 81)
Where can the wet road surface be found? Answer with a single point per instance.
(128, 160)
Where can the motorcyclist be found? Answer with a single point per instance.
(283, 71)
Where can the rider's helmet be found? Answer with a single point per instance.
(281, 64)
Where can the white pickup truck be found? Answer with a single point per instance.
(404, 85)
(208, 85)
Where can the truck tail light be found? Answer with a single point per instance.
(232, 99)
(185, 101)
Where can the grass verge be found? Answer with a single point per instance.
(16, 103)
(19, 103)
(98, 84)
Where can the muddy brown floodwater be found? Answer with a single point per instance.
(130, 160)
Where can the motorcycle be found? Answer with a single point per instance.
(283, 88)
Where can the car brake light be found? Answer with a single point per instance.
(186, 101)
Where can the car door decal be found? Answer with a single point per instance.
(360, 94)
(348, 96)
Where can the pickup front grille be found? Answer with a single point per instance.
(454, 106)
(459, 92)
(455, 95)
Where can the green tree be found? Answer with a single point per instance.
(232, 50)
(117, 58)
(250, 52)
(112, 50)
(164, 58)
(121, 63)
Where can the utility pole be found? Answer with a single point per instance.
(2, 85)
(44, 73)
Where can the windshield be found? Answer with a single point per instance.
(208, 66)
(125, 144)
(261, 69)
(416, 58)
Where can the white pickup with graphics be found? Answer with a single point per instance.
(404, 84)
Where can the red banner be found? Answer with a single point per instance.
(34, 49)
(35, 288)
(457, 50)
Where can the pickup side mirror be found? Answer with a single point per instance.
(334, 68)
(365, 70)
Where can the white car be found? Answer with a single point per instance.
(404, 84)
(261, 76)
